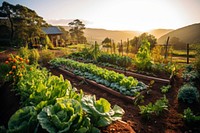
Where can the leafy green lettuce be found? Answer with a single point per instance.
(100, 111)
(65, 116)
(23, 120)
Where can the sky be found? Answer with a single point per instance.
(139, 15)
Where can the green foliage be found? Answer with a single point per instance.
(169, 68)
(143, 57)
(156, 54)
(51, 102)
(197, 58)
(25, 24)
(165, 89)
(95, 51)
(23, 120)
(76, 31)
(34, 56)
(188, 94)
(114, 59)
(48, 43)
(189, 117)
(4, 70)
(37, 86)
(100, 111)
(46, 56)
(137, 41)
(154, 109)
(24, 52)
(190, 74)
(65, 116)
(119, 82)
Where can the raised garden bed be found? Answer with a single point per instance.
(100, 86)
(141, 76)
(128, 86)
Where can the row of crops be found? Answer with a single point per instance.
(50, 103)
(119, 82)
(144, 66)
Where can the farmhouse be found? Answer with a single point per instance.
(54, 34)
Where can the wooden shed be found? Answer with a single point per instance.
(54, 34)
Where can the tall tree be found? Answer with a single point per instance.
(107, 43)
(65, 36)
(137, 41)
(25, 23)
(76, 31)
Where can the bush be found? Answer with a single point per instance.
(189, 117)
(34, 56)
(46, 56)
(24, 52)
(197, 57)
(188, 94)
(4, 69)
(154, 109)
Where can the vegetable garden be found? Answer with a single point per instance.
(66, 96)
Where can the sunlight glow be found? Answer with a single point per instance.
(141, 15)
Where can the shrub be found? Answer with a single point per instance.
(34, 56)
(143, 57)
(154, 109)
(24, 52)
(188, 94)
(49, 43)
(46, 56)
(4, 69)
(197, 57)
(189, 117)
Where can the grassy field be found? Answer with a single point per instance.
(183, 53)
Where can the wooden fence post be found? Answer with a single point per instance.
(166, 51)
(127, 47)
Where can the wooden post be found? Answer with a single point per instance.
(188, 54)
(166, 47)
(127, 47)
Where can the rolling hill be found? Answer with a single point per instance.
(188, 34)
(159, 32)
(93, 34)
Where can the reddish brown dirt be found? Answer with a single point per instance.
(169, 122)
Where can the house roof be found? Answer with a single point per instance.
(52, 30)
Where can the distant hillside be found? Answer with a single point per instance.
(188, 34)
(159, 32)
(99, 35)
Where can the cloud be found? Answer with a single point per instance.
(65, 22)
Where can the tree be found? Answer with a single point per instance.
(177, 44)
(107, 43)
(25, 23)
(76, 31)
(137, 41)
(65, 36)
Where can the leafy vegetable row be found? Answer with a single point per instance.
(119, 82)
(122, 61)
(50, 103)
